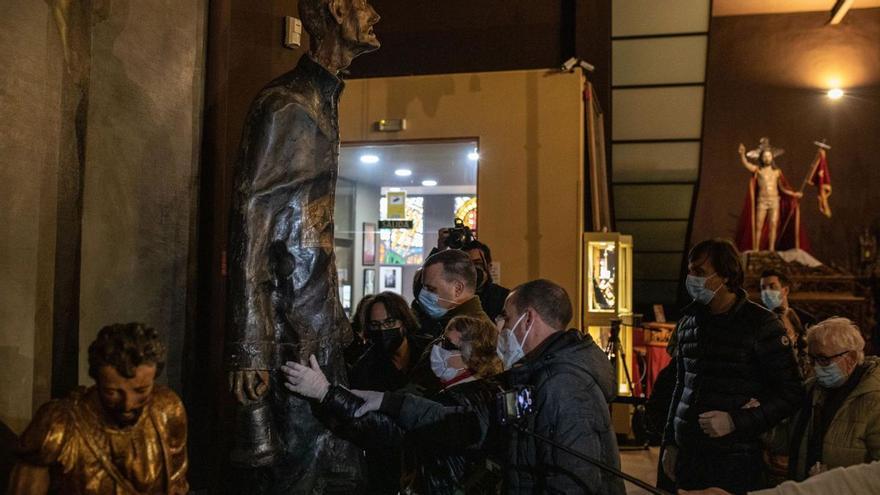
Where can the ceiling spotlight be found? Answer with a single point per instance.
(369, 159)
(429, 183)
(474, 155)
(835, 93)
(394, 189)
(403, 172)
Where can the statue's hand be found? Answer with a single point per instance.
(742, 149)
(248, 384)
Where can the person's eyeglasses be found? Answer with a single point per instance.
(447, 344)
(825, 360)
(385, 324)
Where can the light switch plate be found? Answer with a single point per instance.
(292, 32)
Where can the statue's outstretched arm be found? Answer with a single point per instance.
(745, 161)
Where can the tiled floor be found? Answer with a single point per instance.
(641, 464)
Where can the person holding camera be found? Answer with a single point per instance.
(572, 383)
(460, 237)
(492, 295)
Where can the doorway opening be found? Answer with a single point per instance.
(391, 200)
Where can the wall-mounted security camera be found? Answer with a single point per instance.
(573, 62)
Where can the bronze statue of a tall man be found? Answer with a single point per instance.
(283, 296)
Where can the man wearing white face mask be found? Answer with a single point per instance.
(572, 381)
(735, 378)
(839, 424)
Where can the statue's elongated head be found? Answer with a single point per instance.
(347, 22)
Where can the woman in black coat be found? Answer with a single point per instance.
(435, 460)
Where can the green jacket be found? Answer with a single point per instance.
(853, 437)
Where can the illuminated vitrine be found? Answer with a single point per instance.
(607, 293)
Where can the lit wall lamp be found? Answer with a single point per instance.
(835, 93)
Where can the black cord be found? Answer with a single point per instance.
(601, 465)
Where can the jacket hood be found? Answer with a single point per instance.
(571, 347)
(870, 381)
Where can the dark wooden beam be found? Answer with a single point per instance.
(76, 42)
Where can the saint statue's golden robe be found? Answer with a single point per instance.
(86, 455)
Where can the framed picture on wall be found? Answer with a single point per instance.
(369, 281)
(391, 279)
(369, 255)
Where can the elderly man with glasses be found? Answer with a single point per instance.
(839, 424)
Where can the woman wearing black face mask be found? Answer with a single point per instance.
(393, 345)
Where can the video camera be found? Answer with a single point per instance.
(459, 235)
(513, 405)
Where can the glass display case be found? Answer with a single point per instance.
(607, 293)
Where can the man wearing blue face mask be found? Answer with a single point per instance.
(775, 290)
(449, 289)
(735, 378)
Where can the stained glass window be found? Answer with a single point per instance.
(466, 210)
(403, 246)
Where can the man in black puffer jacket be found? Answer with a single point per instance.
(735, 378)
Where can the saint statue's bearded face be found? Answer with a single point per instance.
(123, 398)
(357, 27)
(766, 158)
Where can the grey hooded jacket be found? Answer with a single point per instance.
(572, 382)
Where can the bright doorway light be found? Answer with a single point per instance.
(474, 155)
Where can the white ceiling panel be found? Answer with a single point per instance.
(646, 17)
(657, 113)
(659, 60)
